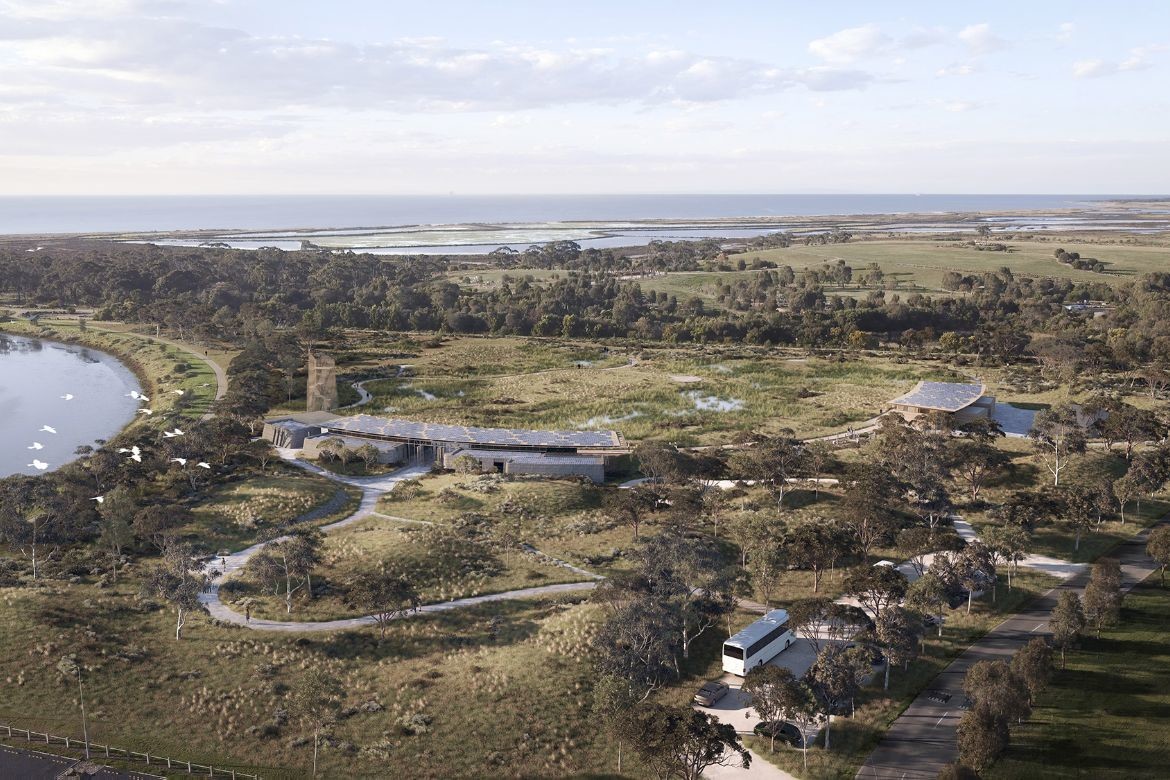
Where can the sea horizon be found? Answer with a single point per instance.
(74, 214)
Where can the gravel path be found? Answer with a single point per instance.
(373, 488)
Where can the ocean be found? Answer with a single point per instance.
(108, 214)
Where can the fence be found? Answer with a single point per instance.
(95, 749)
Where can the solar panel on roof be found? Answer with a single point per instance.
(410, 429)
(944, 396)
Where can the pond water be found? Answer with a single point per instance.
(37, 378)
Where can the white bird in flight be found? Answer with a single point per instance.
(172, 434)
(203, 465)
(99, 499)
(180, 461)
(39, 465)
(47, 429)
(147, 412)
(36, 445)
(178, 392)
(137, 396)
(135, 453)
(67, 397)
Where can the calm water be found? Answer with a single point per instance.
(34, 374)
(275, 212)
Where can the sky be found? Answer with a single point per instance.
(521, 97)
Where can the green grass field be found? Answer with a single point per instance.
(1108, 714)
(690, 396)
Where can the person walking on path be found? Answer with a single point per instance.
(248, 612)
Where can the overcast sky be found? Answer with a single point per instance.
(379, 96)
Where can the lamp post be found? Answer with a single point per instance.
(69, 666)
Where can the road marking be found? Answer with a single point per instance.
(1037, 628)
(944, 717)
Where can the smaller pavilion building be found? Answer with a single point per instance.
(963, 402)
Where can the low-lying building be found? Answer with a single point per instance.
(962, 402)
(505, 450)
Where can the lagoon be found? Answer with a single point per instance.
(35, 377)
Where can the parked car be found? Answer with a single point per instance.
(710, 693)
(784, 731)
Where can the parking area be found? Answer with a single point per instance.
(734, 707)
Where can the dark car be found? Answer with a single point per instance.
(784, 731)
(710, 693)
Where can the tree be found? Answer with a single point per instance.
(1027, 509)
(287, 564)
(1081, 507)
(689, 577)
(928, 595)
(1158, 548)
(767, 566)
(69, 667)
(385, 594)
(916, 543)
(682, 742)
(663, 462)
(982, 738)
(1132, 426)
(1102, 599)
(1032, 663)
(1008, 542)
(117, 511)
(771, 461)
(155, 523)
(368, 453)
(638, 644)
(876, 587)
(1067, 623)
(630, 507)
(778, 695)
(805, 617)
(1057, 436)
(868, 493)
(835, 679)
(897, 632)
(975, 570)
(975, 462)
(994, 685)
(177, 580)
(613, 705)
(316, 698)
(815, 545)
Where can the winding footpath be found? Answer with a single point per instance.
(220, 570)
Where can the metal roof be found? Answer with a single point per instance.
(464, 434)
(943, 396)
(759, 629)
(531, 457)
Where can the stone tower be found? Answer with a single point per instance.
(321, 386)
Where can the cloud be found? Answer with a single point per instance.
(956, 69)
(139, 52)
(1138, 59)
(981, 40)
(850, 45)
(1065, 31)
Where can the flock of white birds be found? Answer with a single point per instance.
(133, 453)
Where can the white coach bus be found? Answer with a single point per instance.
(758, 643)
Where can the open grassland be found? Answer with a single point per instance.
(234, 515)
(1108, 714)
(563, 518)
(918, 265)
(160, 366)
(922, 262)
(854, 737)
(680, 394)
(478, 679)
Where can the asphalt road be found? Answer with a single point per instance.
(33, 765)
(923, 738)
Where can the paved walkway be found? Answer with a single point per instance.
(922, 740)
(222, 568)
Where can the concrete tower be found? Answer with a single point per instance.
(321, 390)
